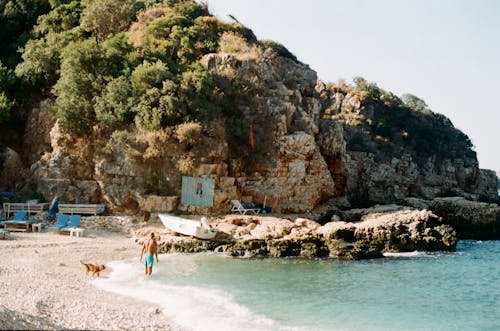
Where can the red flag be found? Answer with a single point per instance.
(250, 138)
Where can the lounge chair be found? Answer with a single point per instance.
(19, 222)
(19, 216)
(61, 222)
(73, 226)
(239, 208)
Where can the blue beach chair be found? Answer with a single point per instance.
(19, 222)
(19, 216)
(73, 226)
(61, 222)
(74, 221)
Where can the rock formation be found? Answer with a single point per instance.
(317, 148)
(374, 233)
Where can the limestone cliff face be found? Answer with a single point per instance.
(393, 152)
(311, 143)
(280, 100)
(297, 162)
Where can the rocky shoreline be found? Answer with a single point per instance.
(423, 225)
(266, 236)
(418, 225)
(353, 234)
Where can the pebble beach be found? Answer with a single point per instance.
(44, 286)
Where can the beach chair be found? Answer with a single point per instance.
(239, 208)
(73, 225)
(19, 222)
(18, 216)
(62, 221)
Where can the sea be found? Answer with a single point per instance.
(405, 291)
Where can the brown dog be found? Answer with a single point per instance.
(94, 268)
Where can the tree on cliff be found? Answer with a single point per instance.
(112, 64)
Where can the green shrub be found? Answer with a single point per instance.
(115, 104)
(6, 106)
(149, 75)
(279, 49)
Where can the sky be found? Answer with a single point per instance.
(446, 52)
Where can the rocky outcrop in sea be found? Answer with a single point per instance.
(371, 236)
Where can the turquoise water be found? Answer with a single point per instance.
(415, 291)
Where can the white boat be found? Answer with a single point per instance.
(199, 229)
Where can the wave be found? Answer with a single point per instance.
(406, 254)
(193, 307)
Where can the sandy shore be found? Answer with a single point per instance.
(44, 286)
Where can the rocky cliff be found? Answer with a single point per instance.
(315, 145)
(312, 142)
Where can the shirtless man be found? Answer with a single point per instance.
(150, 247)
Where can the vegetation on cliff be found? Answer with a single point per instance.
(130, 75)
(382, 123)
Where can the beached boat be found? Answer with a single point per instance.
(199, 229)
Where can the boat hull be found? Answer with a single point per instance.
(187, 227)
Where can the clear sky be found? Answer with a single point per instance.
(446, 52)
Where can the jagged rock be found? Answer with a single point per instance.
(400, 231)
(344, 250)
(383, 171)
(396, 231)
(296, 159)
(406, 230)
(471, 220)
(355, 215)
(186, 245)
(246, 248)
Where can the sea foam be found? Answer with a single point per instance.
(192, 307)
(405, 254)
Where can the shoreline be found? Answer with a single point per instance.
(44, 286)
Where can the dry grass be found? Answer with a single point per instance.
(154, 142)
(185, 164)
(231, 42)
(135, 34)
(188, 132)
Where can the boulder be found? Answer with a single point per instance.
(396, 231)
(470, 219)
(154, 203)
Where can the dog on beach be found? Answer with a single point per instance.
(93, 268)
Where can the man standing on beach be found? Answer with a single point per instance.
(150, 247)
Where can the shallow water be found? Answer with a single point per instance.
(414, 291)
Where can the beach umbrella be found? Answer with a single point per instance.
(7, 195)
